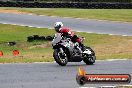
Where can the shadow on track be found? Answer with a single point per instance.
(73, 65)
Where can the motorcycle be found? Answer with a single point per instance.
(66, 51)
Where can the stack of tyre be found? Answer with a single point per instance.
(39, 38)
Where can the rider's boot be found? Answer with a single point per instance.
(77, 45)
(82, 47)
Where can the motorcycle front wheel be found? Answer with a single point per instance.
(60, 58)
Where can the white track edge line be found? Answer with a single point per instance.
(52, 28)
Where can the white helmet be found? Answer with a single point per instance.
(57, 26)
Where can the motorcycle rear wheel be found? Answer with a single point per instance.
(89, 59)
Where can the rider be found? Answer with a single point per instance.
(67, 32)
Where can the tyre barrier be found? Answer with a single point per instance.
(39, 38)
(49, 38)
(30, 38)
(42, 38)
(36, 37)
(12, 43)
(86, 5)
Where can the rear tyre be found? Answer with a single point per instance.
(60, 58)
(89, 59)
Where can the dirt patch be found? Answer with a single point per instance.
(115, 48)
(13, 11)
(41, 46)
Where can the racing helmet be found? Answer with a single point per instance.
(57, 26)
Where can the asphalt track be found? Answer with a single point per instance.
(51, 75)
(101, 27)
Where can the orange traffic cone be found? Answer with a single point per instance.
(1, 53)
(15, 52)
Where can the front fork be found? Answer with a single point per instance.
(79, 49)
(61, 50)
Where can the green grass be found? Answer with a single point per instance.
(27, 51)
(124, 15)
(105, 46)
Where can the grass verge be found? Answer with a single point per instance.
(105, 46)
(101, 14)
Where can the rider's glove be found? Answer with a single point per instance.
(76, 44)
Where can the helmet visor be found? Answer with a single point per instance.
(57, 28)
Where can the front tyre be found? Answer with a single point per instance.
(60, 58)
(89, 59)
